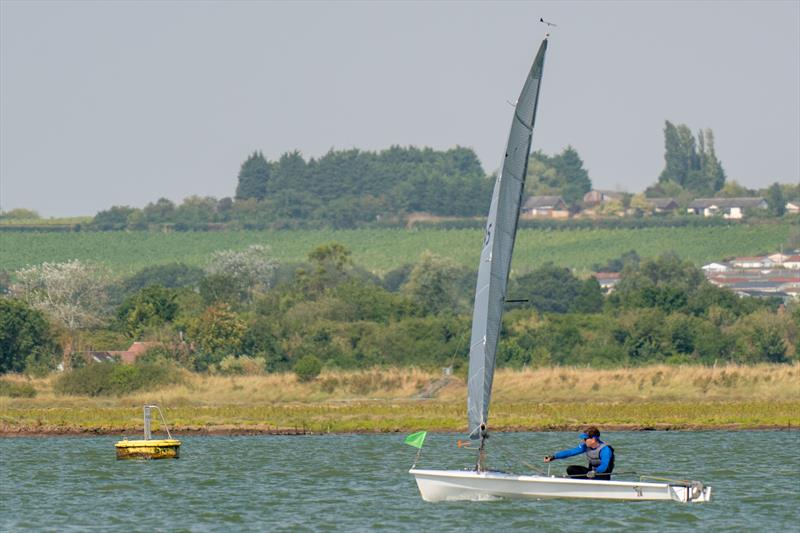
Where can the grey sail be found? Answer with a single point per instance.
(498, 247)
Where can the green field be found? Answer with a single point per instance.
(381, 250)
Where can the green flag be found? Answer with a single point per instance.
(416, 439)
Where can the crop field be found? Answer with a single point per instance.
(381, 250)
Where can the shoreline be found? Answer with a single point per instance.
(235, 431)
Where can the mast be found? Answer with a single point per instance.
(498, 247)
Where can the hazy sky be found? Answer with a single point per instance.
(106, 103)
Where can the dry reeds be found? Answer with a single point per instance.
(405, 399)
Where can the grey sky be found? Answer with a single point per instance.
(123, 102)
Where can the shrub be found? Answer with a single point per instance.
(307, 368)
(242, 366)
(16, 390)
(114, 379)
(26, 338)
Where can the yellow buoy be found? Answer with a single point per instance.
(149, 448)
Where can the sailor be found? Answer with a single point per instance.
(599, 454)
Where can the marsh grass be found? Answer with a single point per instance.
(390, 400)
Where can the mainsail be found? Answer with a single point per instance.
(498, 246)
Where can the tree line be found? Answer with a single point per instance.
(354, 188)
(245, 312)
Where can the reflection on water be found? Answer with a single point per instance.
(360, 482)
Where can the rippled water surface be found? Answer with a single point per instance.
(360, 482)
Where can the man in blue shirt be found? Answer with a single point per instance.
(599, 454)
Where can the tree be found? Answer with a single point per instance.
(195, 212)
(433, 284)
(19, 214)
(640, 203)
(221, 288)
(769, 345)
(618, 264)
(250, 270)
(307, 368)
(253, 177)
(576, 180)
(74, 293)
(643, 335)
(26, 339)
(691, 163)
(733, 189)
(160, 212)
(394, 279)
(562, 174)
(589, 298)
(115, 218)
(332, 265)
(170, 276)
(291, 172)
(775, 200)
(680, 154)
(665, 282)
(761, 337)
(150, 307)
(710, 165)
(217, 332)
(553, 289)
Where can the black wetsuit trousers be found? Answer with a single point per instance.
(579, 472)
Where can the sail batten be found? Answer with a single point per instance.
(498, 247)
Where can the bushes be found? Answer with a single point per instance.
(243, 366)
(16, 390)
(307, 368)
(114, 379)
(27, 341)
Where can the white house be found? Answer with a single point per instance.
(753, 262)
(792, 262)
(716, 267)
(731, 208)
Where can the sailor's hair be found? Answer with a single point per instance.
(592, 432)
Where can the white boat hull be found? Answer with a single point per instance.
(452, 485)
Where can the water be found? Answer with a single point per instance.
(360, 482)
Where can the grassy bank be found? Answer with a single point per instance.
(659, 397)
(381, 250)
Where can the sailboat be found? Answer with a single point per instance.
(480, 483)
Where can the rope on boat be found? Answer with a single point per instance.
(416, 459)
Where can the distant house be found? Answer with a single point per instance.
(793, 293)
(793, 207)
(764, 294)
(597, 196)
(545, 206)
(129, 356)
(778, 258)
(731, 208)
(136, 350)
(663, 205)
(792, 262)
(100, 357)
(607, 280)
(715, 267)
(753, 262)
